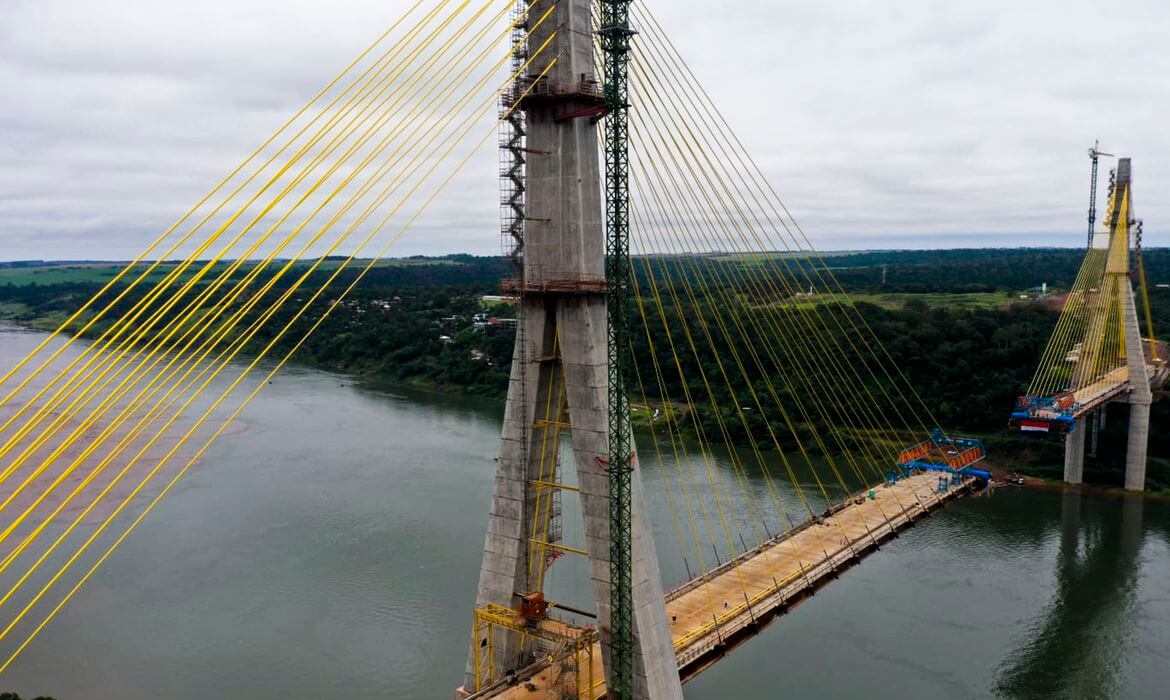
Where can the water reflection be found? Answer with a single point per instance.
(1075, 647)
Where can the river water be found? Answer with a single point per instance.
(329, 548)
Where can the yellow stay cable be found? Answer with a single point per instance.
(177, 271)
(1055, 372)
(711, 607)
(106, 461)
(678, 253)
(1155, 353)
(731, 345)
(1093, 347)
(867, 411)
(682, 466)
(1111, 333)
(698, 312)
(636, 229)
(854, 465)
(252, 365)
(685, 473)
(660, 461)
(58, 397)
(253, 273)
(674, 167)
(198, 304)
(134, 263)
(1072, 324)
(762, 185)
(658, 306)
(684, 219)
(684, 115)
(684, 324)
(704, 447)
(753, 514)
(337, 216)
(740, 155)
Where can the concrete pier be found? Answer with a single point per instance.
(1140, 395)
(562, 344)
(1136, 452)
(1074, 452)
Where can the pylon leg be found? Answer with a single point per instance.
(1135, 456)
(655, 668)
(1074, 453)
(505, 551)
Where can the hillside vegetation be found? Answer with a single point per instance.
(963, 326)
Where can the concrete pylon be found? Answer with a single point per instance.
(1074, 453)
(1140, 395)
(563, 342)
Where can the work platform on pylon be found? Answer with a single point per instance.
(712, 614)
(1059, 413)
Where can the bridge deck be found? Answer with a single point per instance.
(1108, 386)
(1113, 384)
(715, 613)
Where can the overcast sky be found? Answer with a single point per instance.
(883, 124)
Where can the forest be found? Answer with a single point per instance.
(954, 322)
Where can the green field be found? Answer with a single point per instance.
(756, 258)
(102, 272)
(971, 300)
(74, 273)
(58, 274)
(896, 301)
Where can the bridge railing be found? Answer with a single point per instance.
(701, 640)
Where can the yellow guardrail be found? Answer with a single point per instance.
(733, 613)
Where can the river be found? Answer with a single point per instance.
(329, 548)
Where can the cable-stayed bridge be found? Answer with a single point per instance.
(636, 219)
(1097, 355)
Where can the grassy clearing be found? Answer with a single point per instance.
(969, 300)
(495, 304)
(359, 263)
(57, 274)
(11, 310)
(896, 302)
(758, 258)
(102, 272)
(70, 273)
(644, 414)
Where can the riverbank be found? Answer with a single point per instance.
(418, 326)
(1038, 459)
(1006, 478)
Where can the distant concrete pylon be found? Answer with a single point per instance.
(562, 345)
(1139, 395)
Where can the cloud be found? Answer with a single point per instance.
(905, 123)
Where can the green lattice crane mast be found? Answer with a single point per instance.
(615, 34)
(1094, 154)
